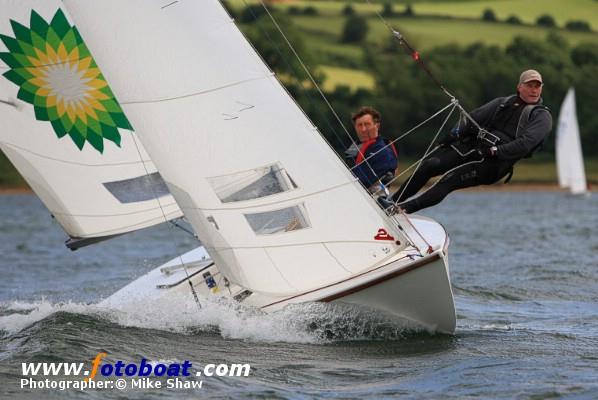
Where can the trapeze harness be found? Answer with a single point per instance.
(509, 118)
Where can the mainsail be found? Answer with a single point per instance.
(66, 133)
(271, 202)
(569, 157)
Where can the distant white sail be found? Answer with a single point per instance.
(569, 157)
(66, 134)
(273, 205)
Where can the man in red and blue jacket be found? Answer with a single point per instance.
(374, 158)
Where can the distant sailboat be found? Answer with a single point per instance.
(569, 157)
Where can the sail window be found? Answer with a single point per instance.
(141, 188)
(277, 221)
(253, 184)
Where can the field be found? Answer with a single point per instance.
(531, 171)
(322, 33)
(437, 23)
(527, 10)
(537, 172)
(350, 77)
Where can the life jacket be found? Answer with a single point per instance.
(365, 145)
(525, 115)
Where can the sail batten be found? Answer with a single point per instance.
(81, 163)
(269, 204)
(198, 93)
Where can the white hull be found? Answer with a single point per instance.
(410, 287)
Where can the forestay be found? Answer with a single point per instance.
(569, 157)
(271, 202)
(66, 134)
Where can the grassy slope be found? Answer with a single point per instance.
(531, 171)
(322, 36)
(343, 76)
(528, 11)
(431, 32)
(322, 33)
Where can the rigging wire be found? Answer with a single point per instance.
(313, 81)
(410, 131)
(411, 51)
(193, 292)
(415, 55)
(183, 228)
(429, 150)
(291, 67)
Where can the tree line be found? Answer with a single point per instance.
(406, 95)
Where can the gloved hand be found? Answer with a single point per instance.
(488, 152)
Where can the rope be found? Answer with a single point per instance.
(291, 67)
(416, 56)
(410, 131)
(412, 52)
(429, 150)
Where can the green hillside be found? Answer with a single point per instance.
(526, 10)
(394, 84)
(430, 27)
(323, 33)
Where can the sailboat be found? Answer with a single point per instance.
(569, 157)
(280, 218)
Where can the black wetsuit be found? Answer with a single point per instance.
(520, 129)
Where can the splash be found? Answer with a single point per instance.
(296, 323)
(18, 315)
(315, 323)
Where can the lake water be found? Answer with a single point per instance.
(524, 268)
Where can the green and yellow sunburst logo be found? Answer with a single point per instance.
(56, 73)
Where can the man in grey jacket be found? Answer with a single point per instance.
(513, 128)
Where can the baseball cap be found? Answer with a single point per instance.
(530, 75)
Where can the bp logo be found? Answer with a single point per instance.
(56, 73)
